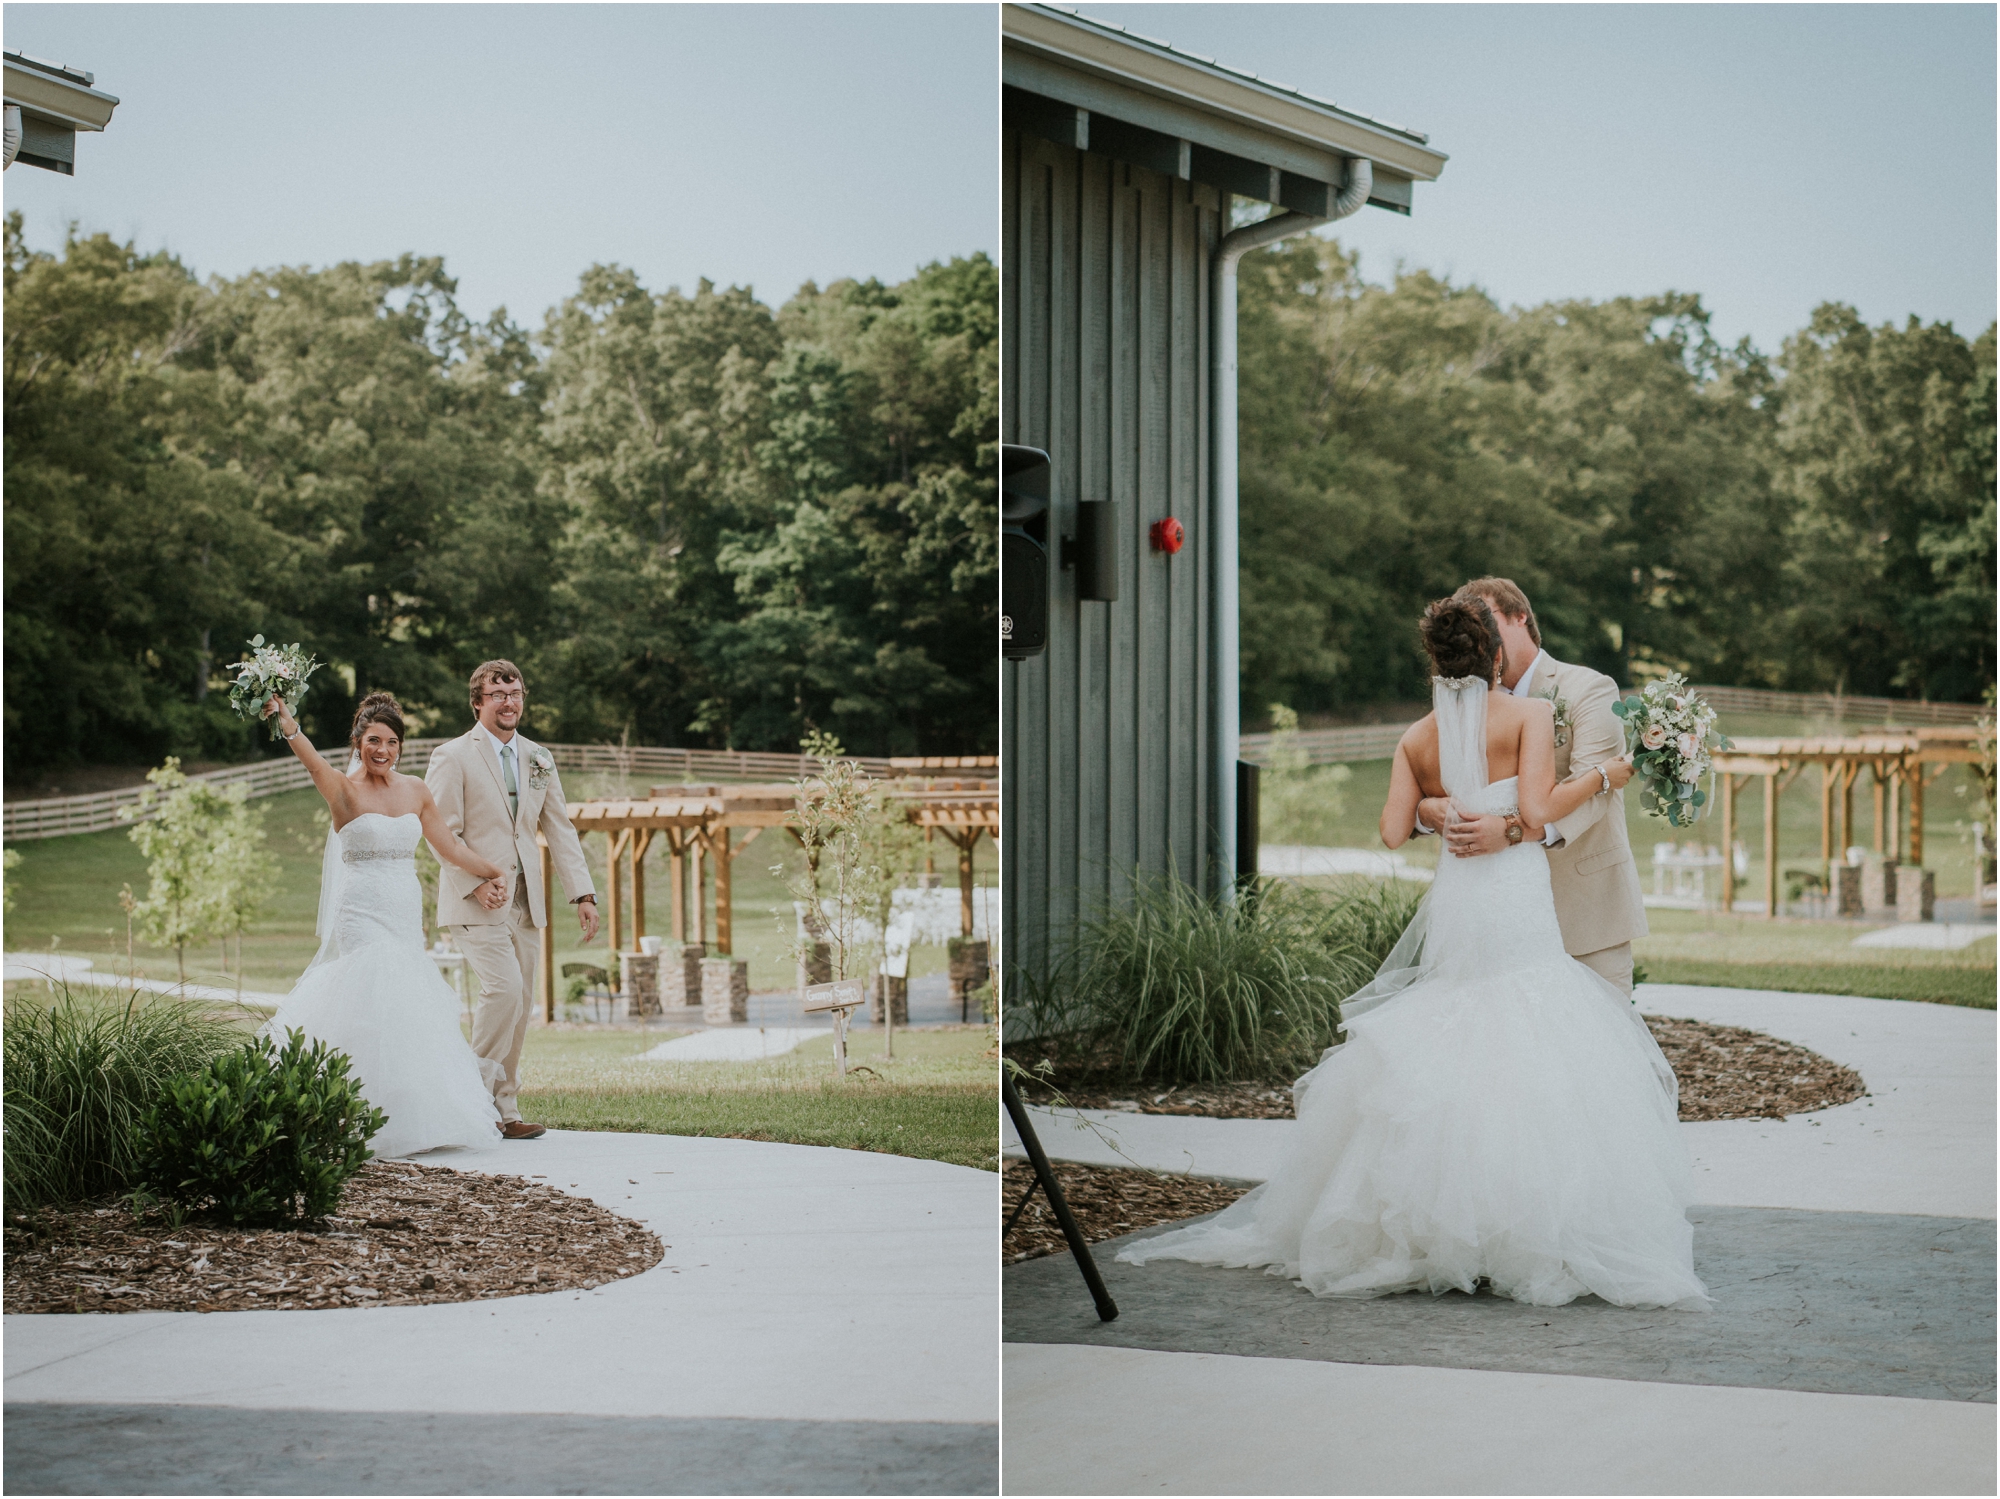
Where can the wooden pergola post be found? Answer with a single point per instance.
(614, 892)
(1849, 771)
(677, 871)
(1828, 775)
(548, 954)
(641, 841)
(1880, 809)
(1771, 846)
(700, 892)
(725, 926)
(1726, 783)
(1895, 790)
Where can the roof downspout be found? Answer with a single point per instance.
(1226, 668)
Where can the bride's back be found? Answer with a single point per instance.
(1505, 716)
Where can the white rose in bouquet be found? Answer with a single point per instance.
(1653, 736)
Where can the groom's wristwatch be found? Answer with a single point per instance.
(1514, 829)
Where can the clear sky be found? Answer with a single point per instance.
(1770, 157)
(760, 145)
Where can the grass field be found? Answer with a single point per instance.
(66, 892)
(937, 1098)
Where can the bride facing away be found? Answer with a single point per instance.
(1496, 1112)
(372, 992)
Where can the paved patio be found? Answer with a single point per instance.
(1851, 1350)
(811, 1301)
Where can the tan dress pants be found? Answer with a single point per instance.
(1615, 963)
(504, 955)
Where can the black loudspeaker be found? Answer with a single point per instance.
(1094, 552)
(1247, 811)
(1024, 552)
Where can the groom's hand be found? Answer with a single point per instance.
(1469, 837)
(586, 917)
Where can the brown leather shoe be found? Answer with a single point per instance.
(520, 1129)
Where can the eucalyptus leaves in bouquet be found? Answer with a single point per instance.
(278, 671)
(1672, 736)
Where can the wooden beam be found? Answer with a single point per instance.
(1771, 847)
(642, 840)
(724, 918)
(1915, 776)
(548, 954)
(1726, 782)
(1849, 770)
(1829, 773)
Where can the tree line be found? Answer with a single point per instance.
(1821, 519)
(691, 519)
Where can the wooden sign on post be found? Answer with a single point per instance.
(840, 996)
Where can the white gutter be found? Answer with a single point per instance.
(1225, 675)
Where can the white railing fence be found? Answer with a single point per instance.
(1377, 741)
(62, 816)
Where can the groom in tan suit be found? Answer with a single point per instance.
(1596, 881)
(495, 788)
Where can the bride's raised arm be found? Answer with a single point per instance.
(1542, 800)
(331, 783)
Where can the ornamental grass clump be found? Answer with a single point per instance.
(260, 1135)
(80, 1075)
(1190, 989)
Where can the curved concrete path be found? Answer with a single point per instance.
(837, 1287)
(1372, 1397)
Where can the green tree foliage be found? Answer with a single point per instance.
(690, 518)
(179, 842)
(1668, 504)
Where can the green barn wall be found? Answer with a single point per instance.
(1105, 736)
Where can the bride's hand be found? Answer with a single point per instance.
(277, 705)
(1620, 771)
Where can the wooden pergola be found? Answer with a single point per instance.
(704, 828)
(1901, 763)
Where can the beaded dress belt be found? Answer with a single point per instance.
(360, 855)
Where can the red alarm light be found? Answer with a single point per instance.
(1169, 535)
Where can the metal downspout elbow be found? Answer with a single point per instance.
(1225, 686)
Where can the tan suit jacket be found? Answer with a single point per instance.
(1599, 903)
(464, 777)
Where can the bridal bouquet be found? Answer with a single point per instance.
(278, 671)
(1673, 741)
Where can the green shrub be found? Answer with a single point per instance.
(259, 1135)
(80, 1074)
(1197, 990)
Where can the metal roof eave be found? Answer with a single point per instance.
(58, 99)
(1045, 50)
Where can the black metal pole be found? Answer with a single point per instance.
(1107, 1309)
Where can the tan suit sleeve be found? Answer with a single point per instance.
(565, 848)
(445, 776)
(1596, 736)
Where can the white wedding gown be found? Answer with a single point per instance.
(1498, 1112)
(374, 994)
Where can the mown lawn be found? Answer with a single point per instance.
(936, 1099)
(1809, 957)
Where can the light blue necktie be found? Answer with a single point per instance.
(513, 787)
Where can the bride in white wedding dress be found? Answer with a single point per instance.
(372, 992)
(1498, 1112)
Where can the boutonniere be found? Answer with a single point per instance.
(541, 765)
(1563, 720)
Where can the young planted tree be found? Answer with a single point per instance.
(179, 844)
(243, 872)
(1298, 802)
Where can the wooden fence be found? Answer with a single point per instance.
(1377, 741)
(62, 816)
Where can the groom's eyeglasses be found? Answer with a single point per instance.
(518, 695)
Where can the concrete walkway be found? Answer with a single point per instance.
(802, 1285)
(1851, 1349)
(1127, 1421)
(82, 973)
(732, 1044)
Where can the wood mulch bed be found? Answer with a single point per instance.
(1725, 1072)
(405, 1235)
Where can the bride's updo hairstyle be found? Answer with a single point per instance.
(1463, 638)
(382, 708)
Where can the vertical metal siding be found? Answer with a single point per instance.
(1105, 325)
